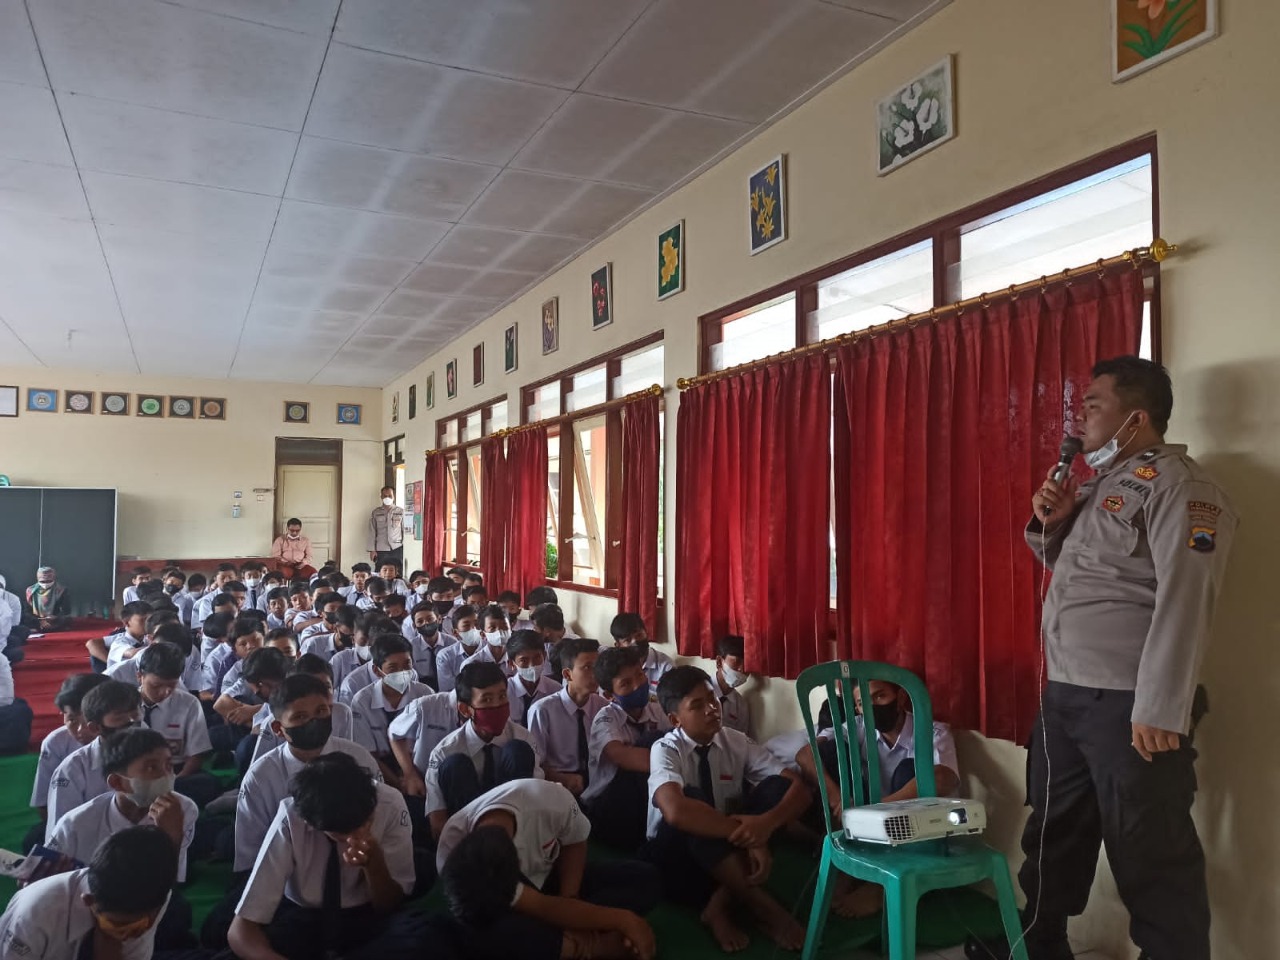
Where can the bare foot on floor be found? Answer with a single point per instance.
(778, 925)
(852, 899)
(717, 919)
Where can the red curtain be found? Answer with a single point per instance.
(638, 578)
(495, 509)
(753, 503)
(526, 537)
(433, 519)
(942, 432)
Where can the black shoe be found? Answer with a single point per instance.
(976, 948)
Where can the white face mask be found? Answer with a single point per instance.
(388, 501)
(251, 581)
(363, 653)
(528, 674)
(421, 590)
(295, 536)
(732, 677)
(497, 638)
(1106, 454)
(470, 638)
(145, 792)
(400, 680)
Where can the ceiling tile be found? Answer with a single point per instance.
(321, 265)
(540, 254)
(603, 139)
(163, 251)
(411, 305)
(311, 226)
(541, 204)
(552, 43)
(460, 313)
(324, 327)
(212, 66)
(352, 298)
(388, 101)
(59, 343)
(475, 246)
(313, 16)
(180, 207)
(458, 281)
(31, 127)
(19, 58)
(251, 365)
(13, 350)
(349, 175)
(744, 59)
(142, 142)
(389, 325)
(41, 188)
(900, 10)
(40, 251)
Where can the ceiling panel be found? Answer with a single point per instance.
(168, 56)
(388, 181)
(32, 131)
(554, 43)
(541, 204)
(311, 226)
(180, 207)
(12, 348)
(41, 188)
(388, 101)
(159, 144)
(540, 254)
(321, 327)
(19, 56)
(311, 16)
(339, 267)
(473, 281)
(900, 10)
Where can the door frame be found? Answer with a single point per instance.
(283, 458)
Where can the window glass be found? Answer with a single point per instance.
(589, 388)
(756, 333)
(471, 426)
(545, 403)
(589, 482)
(473, 505)
(497, 417)
(451, 510)
(873, 293)
(640, 370)
(450, 436)
(553, 505)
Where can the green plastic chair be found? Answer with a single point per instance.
(906, 872)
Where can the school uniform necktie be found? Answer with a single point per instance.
(147, 710)
(331, 899)
(705, 782)
(527, 700)
(584, 752)
(488, 778)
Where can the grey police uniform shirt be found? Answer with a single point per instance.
(1136, 574)
(386, 528)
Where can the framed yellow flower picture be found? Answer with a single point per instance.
(767, 205)
(1145, 33)
(671, 261)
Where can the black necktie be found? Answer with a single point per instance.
(527, 700)
(147, 710)
(488, 778)
(331, 896)
(705, 783)
(584, 752)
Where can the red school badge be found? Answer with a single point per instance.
(1146, 473)
(1114, 504)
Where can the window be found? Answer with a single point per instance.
(756, 333)
(393, 465)
(458, 436)
(876, 292)
(584, 475)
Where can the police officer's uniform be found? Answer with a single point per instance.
(386, 535)
(1136, 573)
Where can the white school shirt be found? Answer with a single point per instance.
(786, 746)
(359, 678)
(371, 715)
(554, 722)
(118, 644)
(466, 741)
(318, 642)
(944, 748)
(54, 748)
(426, 722)
(266, 783)
(76, 780)
(7, 693)
(239, 690)
(49, 920)
(656, 663)
(81, 830)
(517, 691)
(735, 713)
(203, 608)
(323, 626)
(184, 601)
(736, 761)
(130, 594)
(424, 654)
(340, 714)
(180, 718)
(231, 677)
(295, 856)
(126, 671)
(212, 666)
(547, 816)
(207, 646)
(345, 662)
(449, 662)
(6, 622)
(274, 622)
(485, 655)
(612, 724)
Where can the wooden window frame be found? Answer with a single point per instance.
(459, 450)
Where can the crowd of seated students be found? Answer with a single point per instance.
(389, 734)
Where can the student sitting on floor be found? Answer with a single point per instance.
(562, 721)
(108, 707)
(239, 704)
(515, 872)
(244, 636)
(374, 594)
(214, 630)
(357, 628)
(178, 717)
(377, 705)
(422, 630)
(468, 636)
(15, 714)
(277, 603)
(126, 671)
(136, 762)
(355, 594)
(484, 752)
(731, 673)
(48, 602)
(475, 595)
(526, 658)
(61, 742)
(617, 796)
(509, 601)
(130, 637)
(281, 639)
(336, 862)
(311, 666)
(415, 734)
(139, 575)
(319, 637)
(394, 608)
(628, 630)
(299, 606)
(390, 573)
(496, 631)
(716, 800)
(225, 573)
(186, 598)
(110, 908)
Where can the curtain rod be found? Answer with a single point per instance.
(1157, 252)
(654, 390)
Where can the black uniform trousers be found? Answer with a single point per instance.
(1103, 792)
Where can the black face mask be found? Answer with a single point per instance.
(331, 617)
(429, 631)
(885, 715)
(311, 735)
(442, 606)
(171, 588)
(108, 731)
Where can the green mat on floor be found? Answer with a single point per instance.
(944, 920)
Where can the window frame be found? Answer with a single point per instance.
(459, 452)
(945, 234)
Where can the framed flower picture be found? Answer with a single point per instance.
(767, 205)
(510, 349)
(1145, 33)
(431, 391)
(916, 118)
(551, 326)
(602, 297)
(671, 261)
(451, 380)
(477, 365)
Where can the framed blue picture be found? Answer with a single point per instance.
(349, 413)
(42, 401)
(767, 205)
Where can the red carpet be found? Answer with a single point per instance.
(50, 660)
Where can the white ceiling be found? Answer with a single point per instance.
(327, 190)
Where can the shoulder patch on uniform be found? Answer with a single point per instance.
(1201, 511)
(1146, 473)
(1202, 539)
(1113, 504)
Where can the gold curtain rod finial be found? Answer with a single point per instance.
(1161, 249)
(683, 383)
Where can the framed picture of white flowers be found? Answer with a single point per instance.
(917, 118)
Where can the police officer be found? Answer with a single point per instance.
(1137, 554)
(386, 531)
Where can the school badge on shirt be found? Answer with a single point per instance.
(1146, 473)
(1113, 504)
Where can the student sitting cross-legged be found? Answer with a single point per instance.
(353, 667)
(497, 633)
(241, 700)
(340, 713)
(562, 721)
(469, 639)
(716, 800)
(415, 734)
(377, 705)
(484, 752)
(136, 762)
(335, 865)
(126, 641)
(515, 873)
(111, 908)
(178, 716)
(73, 734)
(422, 630)
(628, 630)
(529, 682)
(617, 794)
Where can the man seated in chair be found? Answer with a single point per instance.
(894, 724)
(48, 602)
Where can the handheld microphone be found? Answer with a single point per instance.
(1070, 449)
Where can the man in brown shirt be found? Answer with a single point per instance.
(292, 552)
(1138, 555)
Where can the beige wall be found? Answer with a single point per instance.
(176, 477)
(1035, 95)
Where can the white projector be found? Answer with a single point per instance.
(911, 821)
